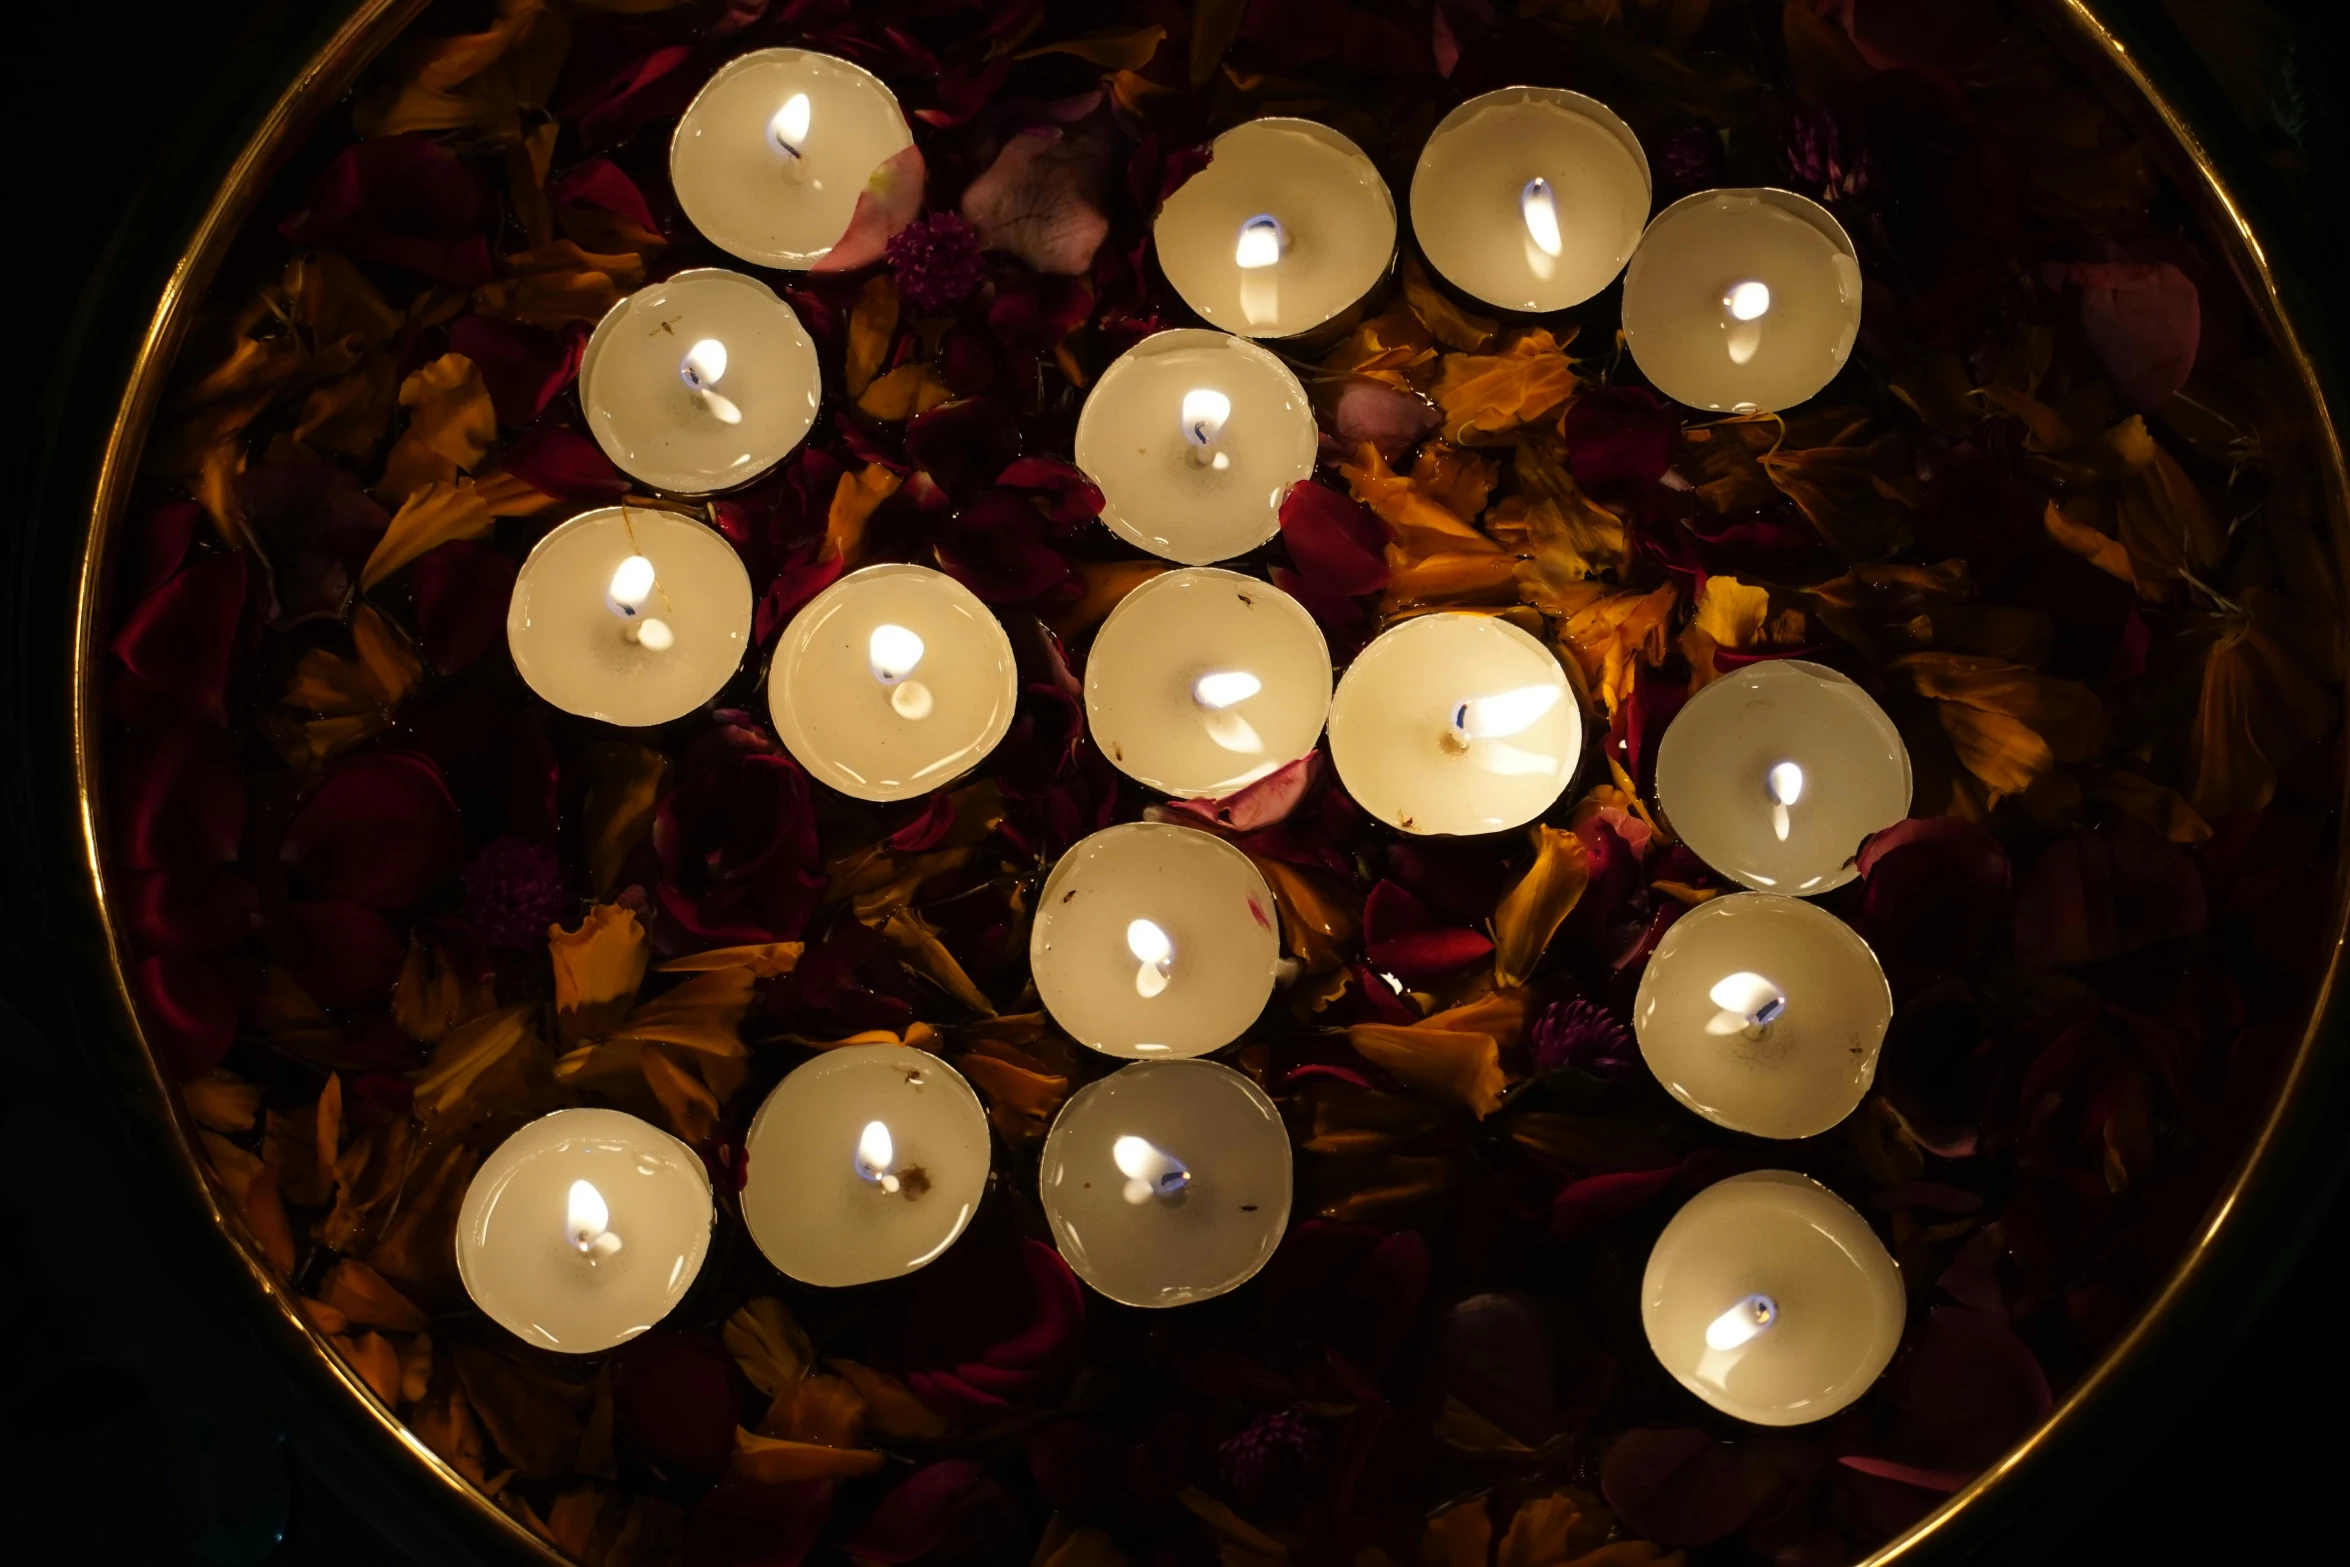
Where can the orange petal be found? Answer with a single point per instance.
(363, 1295)
(767, 1343)
(220, 1103)
(873, 326)
(906, 391)
(1458, 1537)
(598, 969)
(766, 1460)
(1455, 1066)
(624, 786)
(371, 1355)
(890, 1405)
(1486, 397)
(427, 519)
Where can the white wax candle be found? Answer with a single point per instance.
(1763, 1014)
(1742, 300)
(632, 616)
(894, 681)
(1194, 438)
(700, 382)
(1167, 1182)
(583, 1229)
(864, 1164)
(1769, 1298)
(1201, 682)
(1456, 724)
(1531, 198)
(1774, 773)
(771, 155)
(1153, 940)
(1287, 226)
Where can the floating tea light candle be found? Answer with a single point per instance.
(864, 1164)
(1201, 682)
(1457, 724)
(1530, 198)
(635, 617)
(583, 1229)
(1744, 301)
(894, 681)
(1167, 1182)
(1763, 1014)
(1769, 1298)
(1194, 439)
(1775, 773)
(701, 382)
(771, 156)
(1288, 225)
(1153, 940)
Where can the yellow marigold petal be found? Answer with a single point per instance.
(873, 325)
(1485, 397)
(1531, 912)
(624, 787)
(426, 520)
(598, 969)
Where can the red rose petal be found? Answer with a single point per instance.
(183, 638)
(380, 830)
(462, 591)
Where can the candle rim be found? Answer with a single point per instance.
(1090, 436)
(801, 744)
(1693, 926)
(1874, 1269)
(1792, 203)
(1332, 139)
(743, 64)
(799, 345)
(1182, 577)
(1671, 754)
(1054, 1156)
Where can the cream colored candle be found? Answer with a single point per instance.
(1530, 198)
(1763, 1014)
(1167, 1182)
(894, 681)
(771, 156)
(632, 616)
(583, 1229)
(1153, 940)
(1201, 682)
(1774, 773)
(1287, 226)
(700, 382)
(1769, 1298)
(1194, 439)
(1742, 300)
(1457, 724)
(864, 1164)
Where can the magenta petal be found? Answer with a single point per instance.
(1585, 1205)
(913, 1519)
(462, 591)
(191, 1005)
(1943, 1481)
(380, 830)
(891, 197)
(1389, 419)
(2145, 324)
(1041, 200)
(524, 367)
(183, 638)
(565, 464)
(742, 1525)
(181, 802)
(207, 908)
(1680, 1486)
(674, 1402)
(344, 954)
(155, 546)
(1333, 539)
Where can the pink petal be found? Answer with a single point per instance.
(1389, 419)
(2145, 324)
(1585, 1205)
(1041, 200)
(1944, 1481)
(892, 195)
(1262, 804)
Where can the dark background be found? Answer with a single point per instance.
(98, 1465)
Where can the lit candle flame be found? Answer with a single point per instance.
(1504, 714)
(587, 1222)
(705, 364)
(1220, 690)
(1749, 1003)
(1204, 413)
(1262, 241)
(1748, 301)
(789, 129)
(1154, 956)
(1741, 1323)
(876, 1159)
(1150, 1171)
(1784, 783)
(632, 587)
(1542, 216)
(894, 652)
